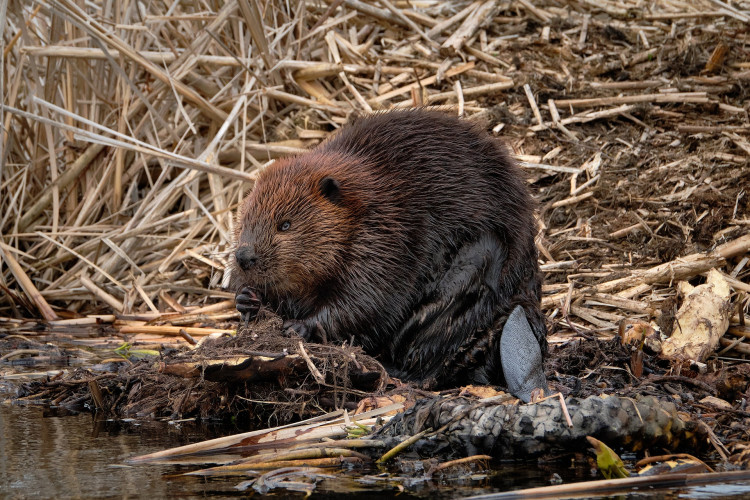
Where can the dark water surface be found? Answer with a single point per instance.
(46, 454)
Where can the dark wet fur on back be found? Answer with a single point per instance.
(411, 233)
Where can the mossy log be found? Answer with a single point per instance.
(466, 427)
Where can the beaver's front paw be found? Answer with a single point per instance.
(247, 303)
(293, 326)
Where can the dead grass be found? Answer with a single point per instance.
(131, 133)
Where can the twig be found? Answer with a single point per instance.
(319, 378)
(532, 103)
(481, 15)
(401, 446)
(26, 284)
(680, 97)
(101, 294)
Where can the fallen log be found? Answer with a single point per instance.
(466, 427)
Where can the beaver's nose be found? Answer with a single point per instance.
(245, 258)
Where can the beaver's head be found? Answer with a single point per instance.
(295, 227)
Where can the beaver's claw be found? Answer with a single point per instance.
(247, 303)
(297, 327)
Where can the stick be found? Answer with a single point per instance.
(422, 83)
(101, 294)
(319, 378)
(459, 16)
(465, 92)
(612, 486)
(481, 15)
(532, 103)
(375, 12)
(572, 200)
(401, 446)
(26, 284)
(678, 269)
(172, 330)
(682, 97)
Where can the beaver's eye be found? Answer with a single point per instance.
(284, 226)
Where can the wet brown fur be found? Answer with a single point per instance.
(417, 251)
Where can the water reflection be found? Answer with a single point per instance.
(48, 454)
(67, 456)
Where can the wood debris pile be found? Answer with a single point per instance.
(255, 377)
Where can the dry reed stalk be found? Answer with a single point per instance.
(171, 330)
(327, 426)
(26, 284)
(470, 25)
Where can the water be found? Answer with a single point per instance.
(49, 454)
(46, 455)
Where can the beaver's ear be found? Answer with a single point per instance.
(329, 188)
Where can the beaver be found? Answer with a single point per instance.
(409, 233)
